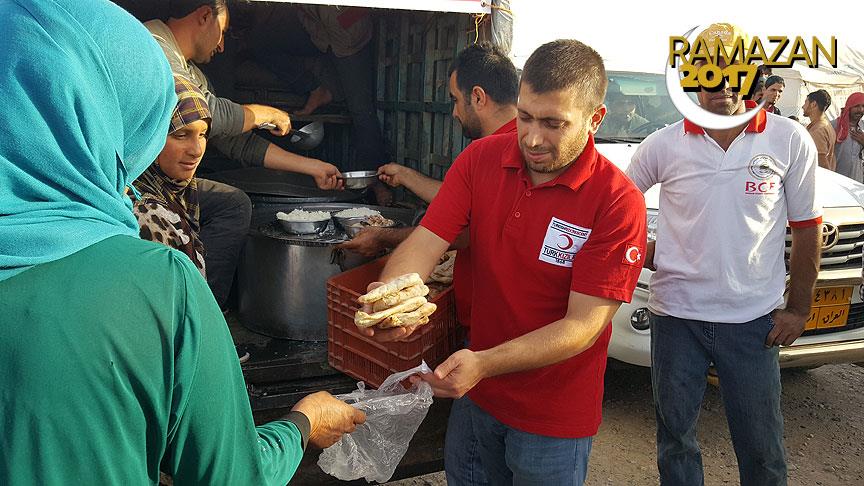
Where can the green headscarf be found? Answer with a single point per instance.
(87, 97)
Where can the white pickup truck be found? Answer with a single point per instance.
(638, 104)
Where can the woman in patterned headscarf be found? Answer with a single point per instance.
(167, 199)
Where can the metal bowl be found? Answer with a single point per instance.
(346, 223)
(304, 227)
(359, 179)
(352, 229)
(352, 226)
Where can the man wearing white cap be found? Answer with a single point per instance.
(716, 296)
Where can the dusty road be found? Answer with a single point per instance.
(824, 416)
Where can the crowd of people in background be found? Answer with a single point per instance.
(840, 141)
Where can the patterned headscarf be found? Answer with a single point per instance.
(843, 121)
(167, 209)
(191, 105)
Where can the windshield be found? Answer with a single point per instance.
(637, 104)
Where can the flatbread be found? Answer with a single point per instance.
(393, 286)
(387, 324)
(443, 272)
(395, 298)
(414, 318)
(362, 319)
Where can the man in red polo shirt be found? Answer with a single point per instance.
(557, 235)
(483, 86)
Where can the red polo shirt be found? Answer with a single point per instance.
(530, 246)
(462, 267)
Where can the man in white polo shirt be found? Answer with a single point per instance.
(725, 199)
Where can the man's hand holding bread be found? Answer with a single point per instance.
(392, 310)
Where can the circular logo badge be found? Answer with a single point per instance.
(830, 236)
(762, 166)
(691, 110)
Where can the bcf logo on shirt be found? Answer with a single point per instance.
(765, 180)
(761, 187)
(563, 240)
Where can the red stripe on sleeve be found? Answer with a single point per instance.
(806, 224)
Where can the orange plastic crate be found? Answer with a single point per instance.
(368, 360)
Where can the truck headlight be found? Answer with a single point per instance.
(639, 319)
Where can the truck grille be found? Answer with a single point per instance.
(855, 321)
(847, 253)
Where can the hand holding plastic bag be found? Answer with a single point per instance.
(393, 414)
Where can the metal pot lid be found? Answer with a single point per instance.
(274, 183)
(330, 236)
(263, 199)
(266, 213)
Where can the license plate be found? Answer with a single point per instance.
(830, 308)
(832, 296)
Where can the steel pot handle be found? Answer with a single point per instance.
(337, 257)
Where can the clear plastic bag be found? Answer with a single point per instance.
(393, 414)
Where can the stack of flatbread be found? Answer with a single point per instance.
(400, 302)
(443, 272)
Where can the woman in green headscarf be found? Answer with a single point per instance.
(115, 356)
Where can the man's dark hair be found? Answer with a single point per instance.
(759, 85)
(774, 80)
(764, 71)
(821, 97)
(567, 64)
(177, 9)
(487, 66)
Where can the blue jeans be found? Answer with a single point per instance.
(461, 459)
(510, 456)
(681, 352)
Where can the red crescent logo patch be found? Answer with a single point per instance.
(632, 256)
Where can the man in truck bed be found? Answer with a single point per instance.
(194, 32)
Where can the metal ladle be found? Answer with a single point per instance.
(306, 138)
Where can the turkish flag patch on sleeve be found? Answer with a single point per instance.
(632, 255)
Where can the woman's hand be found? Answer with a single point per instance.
(329, 418)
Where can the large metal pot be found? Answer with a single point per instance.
(282, 278)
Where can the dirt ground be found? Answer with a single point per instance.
(824, 420)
